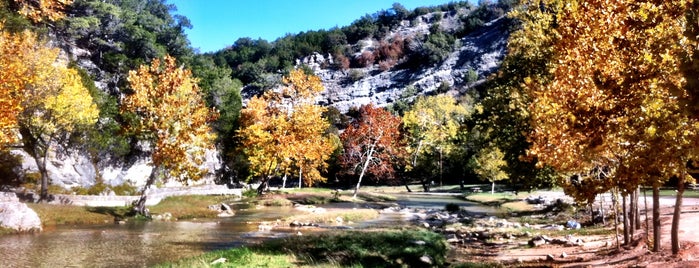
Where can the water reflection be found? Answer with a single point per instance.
(134, 244)
(147, 243)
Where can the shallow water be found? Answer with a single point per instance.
(142, 244)
(134, 244)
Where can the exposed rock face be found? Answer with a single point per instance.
(77, 169)
(17, 216)
(481, 51)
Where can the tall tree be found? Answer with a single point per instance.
(285, 129)
(433, 124)
(41, 99)
(615, 99)
(171, 115)
(372, 144)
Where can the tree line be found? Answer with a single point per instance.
(595, 96)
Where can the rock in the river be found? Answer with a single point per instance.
(17, 216)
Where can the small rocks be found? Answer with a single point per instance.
(537, 241)
(223, 209)
(302, 224)
(426, 259)
(564, 255)
(219, 261)
(550, 257)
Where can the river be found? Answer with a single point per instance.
(141, 244)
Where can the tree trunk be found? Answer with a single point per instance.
(366, 164)
(616, 219)
(601, 209)
(139, 207)
(300, 176)
(656, 217)
(41, 165)
(625, 217)
(638, 211)
(674, 232)
(440, 167)
(284, 181)
(492, 187)
(405, 182)
(632, 213)
(645, 203)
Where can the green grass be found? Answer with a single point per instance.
(63, 214)
(354, 248)
(672, 193)
(354, 215)
(189, 206)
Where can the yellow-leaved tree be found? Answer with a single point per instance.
(616, 99)
(172, 116)
(39, 98)
(433, 123)
(284, 131)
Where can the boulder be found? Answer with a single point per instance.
(18, 216)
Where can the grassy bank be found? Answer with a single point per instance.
(189, 206)
(51, 215)
(355, 248)
(508, 201)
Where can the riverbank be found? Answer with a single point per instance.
(528, 234)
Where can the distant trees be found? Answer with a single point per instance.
(169, 112)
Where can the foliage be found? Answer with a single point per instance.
(124, 34)
(505, 117)
(278, 134)
(52, 100)
(38, 11)
(489, 164)
(173, 117)
(372, 144)
(613, 117)
(432, 125)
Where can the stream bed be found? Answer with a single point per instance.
(142, 244)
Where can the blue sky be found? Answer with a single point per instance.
(218, 23)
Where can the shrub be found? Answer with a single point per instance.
(366, 59)
(355, 75)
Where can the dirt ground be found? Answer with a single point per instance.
(601, 250)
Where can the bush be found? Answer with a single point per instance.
(366, 59)
(355, 75)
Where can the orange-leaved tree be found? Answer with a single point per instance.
(615, 100)
(372, 144)
(16, 50)
(172, 116)
(283, 130)
(39, 98)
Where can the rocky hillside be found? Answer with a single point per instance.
(438, 54)
(478, 53)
